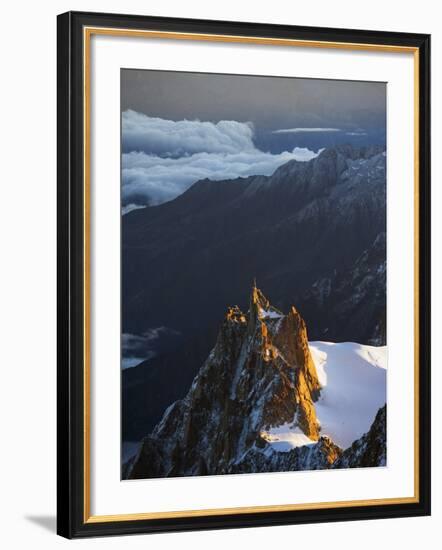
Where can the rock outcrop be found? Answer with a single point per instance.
(315, 456)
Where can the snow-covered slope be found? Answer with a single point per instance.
(353, 377)
(353, 380)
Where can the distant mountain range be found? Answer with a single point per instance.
(263, 402)
(313, 234)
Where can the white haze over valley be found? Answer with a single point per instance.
(163, 158)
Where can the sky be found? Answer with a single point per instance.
(178, 128)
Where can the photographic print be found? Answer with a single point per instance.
(253, 218)
(223, 285)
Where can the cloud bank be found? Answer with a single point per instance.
(157, 136)
(162, 158)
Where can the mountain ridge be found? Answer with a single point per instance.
(304, 237)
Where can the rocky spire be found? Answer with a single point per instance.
(257, 299)
(259, 375)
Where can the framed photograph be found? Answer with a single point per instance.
(243, 274)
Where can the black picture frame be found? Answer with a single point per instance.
(72, 393)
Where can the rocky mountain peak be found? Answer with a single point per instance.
(257, 298)
(260, 308)
(259, 375)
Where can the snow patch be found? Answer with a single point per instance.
(269, 314)
(286, 437)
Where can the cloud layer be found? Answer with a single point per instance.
(136, 348)
(162, 158)
(305, 130)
